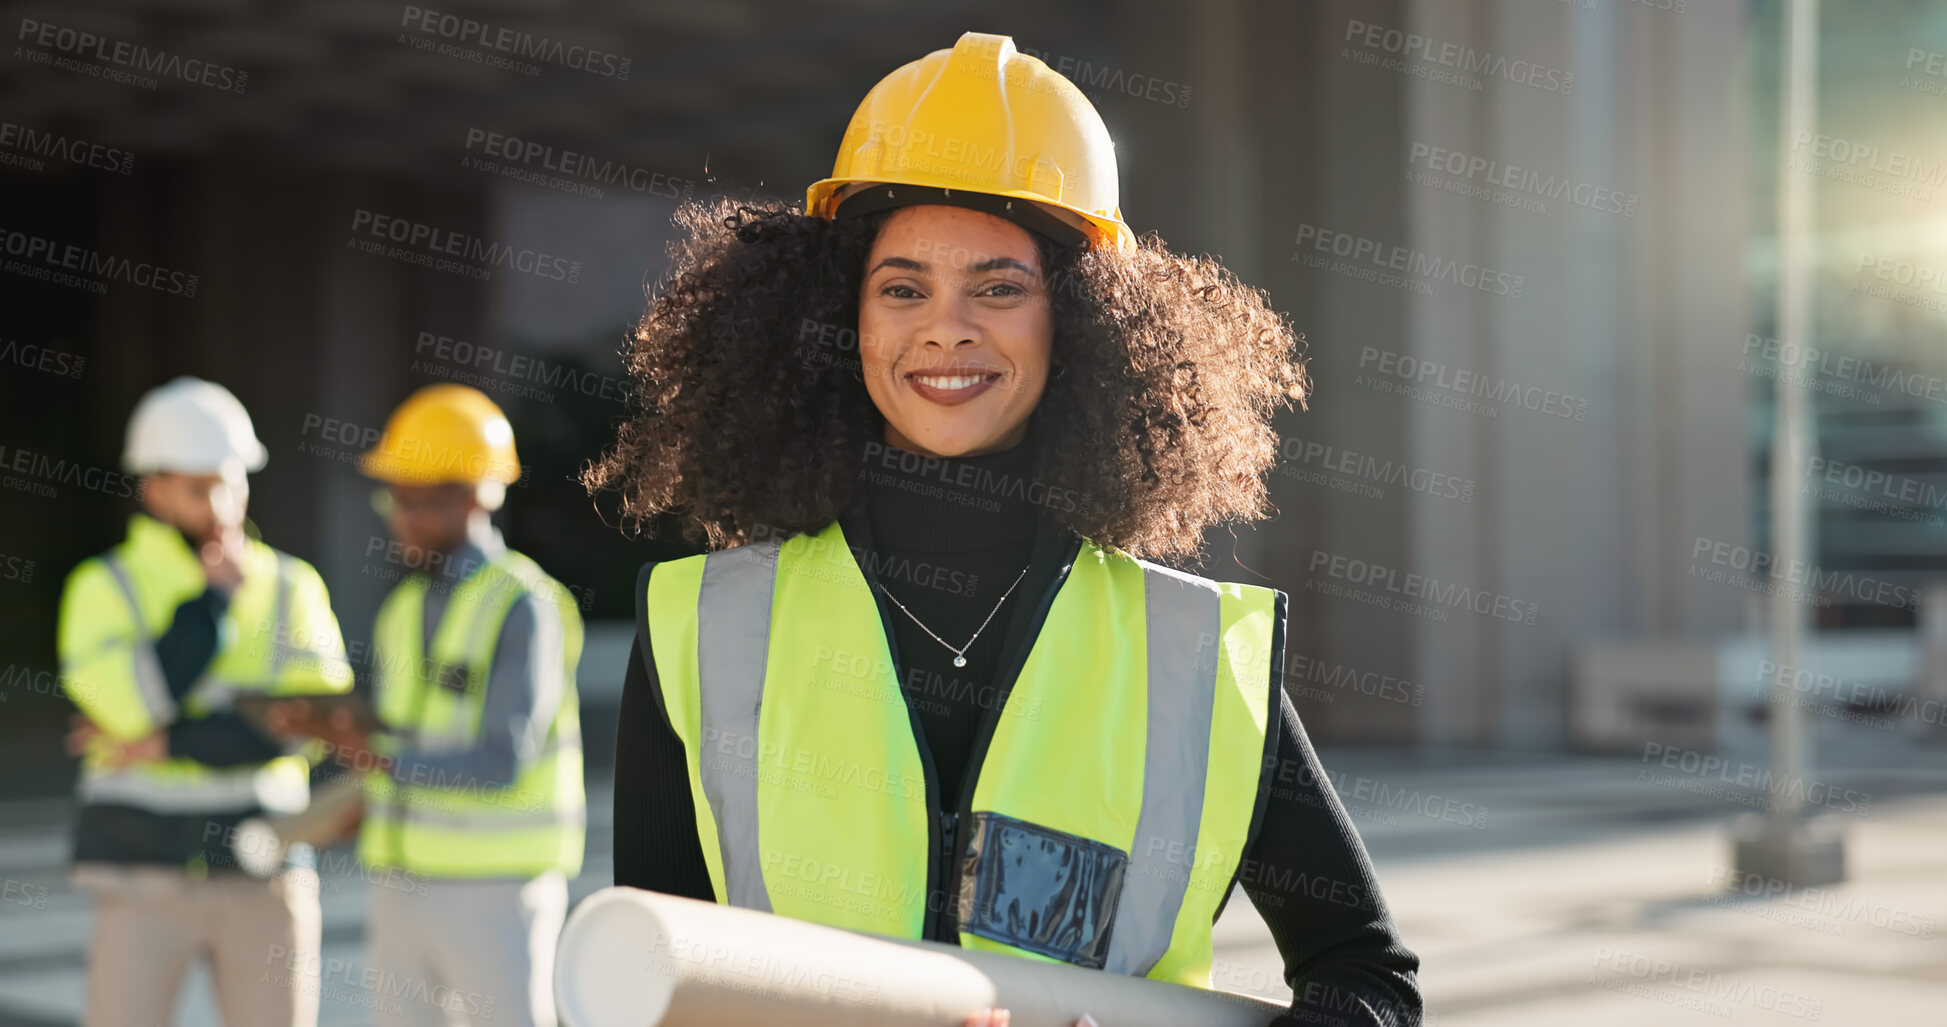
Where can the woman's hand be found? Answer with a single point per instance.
(1000, 1018)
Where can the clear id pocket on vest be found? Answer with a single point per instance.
(1038, 889)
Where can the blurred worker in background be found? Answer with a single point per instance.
(479, 790)
(158, 636)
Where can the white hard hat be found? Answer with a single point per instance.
(191, 426)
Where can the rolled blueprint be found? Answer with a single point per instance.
(632, 958)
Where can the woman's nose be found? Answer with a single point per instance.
(949, 326)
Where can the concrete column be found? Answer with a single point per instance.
(1586, 511)
(371, 309)
(1334, 135)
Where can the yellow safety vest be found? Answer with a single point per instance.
(277, 636)
(459, 829)
(1109, 816)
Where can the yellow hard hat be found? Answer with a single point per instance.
(982, 118)
(445, 433)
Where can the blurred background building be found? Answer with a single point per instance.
(1529, 242)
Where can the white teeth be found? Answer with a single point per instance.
(962, 381)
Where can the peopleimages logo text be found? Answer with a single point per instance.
(1812, 581)
(28, 139)
(460, 353)
(1462, 58)
(1518, 179)
(1501, 390)
(1870, 157)
(514, 41)
(433, 239)
(1414, 262)
(36, 249)
(1429, 590)
(539, 155)
(88, 46)
(42, 468)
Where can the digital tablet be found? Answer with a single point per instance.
(255, 708)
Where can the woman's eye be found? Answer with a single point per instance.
(900, 292)
(1006, 289)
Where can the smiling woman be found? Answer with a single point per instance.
(922, 685)
(1157, 373)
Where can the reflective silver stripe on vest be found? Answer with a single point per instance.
(489, 819)
(280, 639)
(214, 790)
(733, 638)
(1182, 616)
(568, 739)
(149, 682)
(216, 694)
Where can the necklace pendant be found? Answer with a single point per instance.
(959, 661)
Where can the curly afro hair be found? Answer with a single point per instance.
(749, 420)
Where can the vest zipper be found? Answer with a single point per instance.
(949, 874)
(1008, 672)
(937, 844)
(942, 920)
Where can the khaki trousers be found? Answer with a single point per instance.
(466, 952)
(261, 938)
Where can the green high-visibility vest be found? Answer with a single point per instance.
(458, 828)
(277, 636)
(1109, 816)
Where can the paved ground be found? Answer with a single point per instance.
(1549, 891)
(1596, 897)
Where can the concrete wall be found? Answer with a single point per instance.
(1632, 321)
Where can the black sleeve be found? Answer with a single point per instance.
(1309, 876)
(656, 844)
(187, 648)
(221, 740)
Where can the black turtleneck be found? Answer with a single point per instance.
(946, 538)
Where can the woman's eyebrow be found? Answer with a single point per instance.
(1001, 262)
(906, 263)
(991, 264)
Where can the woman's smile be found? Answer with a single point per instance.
(952, 386)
